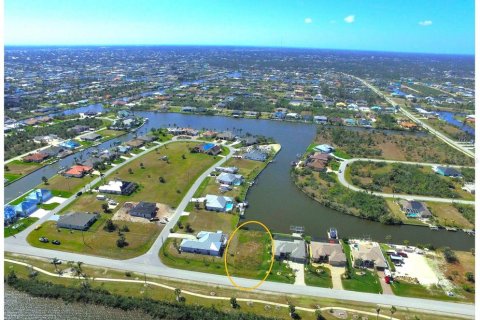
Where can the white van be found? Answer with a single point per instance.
(101, 197)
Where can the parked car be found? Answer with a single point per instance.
(154, 219)
(56, 242)
(56, 261)
(43, 239)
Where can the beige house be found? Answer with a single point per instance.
(325, 252)
(368, 254)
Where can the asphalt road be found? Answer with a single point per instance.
(343, 181)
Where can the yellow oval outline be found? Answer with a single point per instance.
(226, 253)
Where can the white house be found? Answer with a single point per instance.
(218, 203)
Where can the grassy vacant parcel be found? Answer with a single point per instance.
(16, 169)
(165, 181)
(417, 147)
(96, 240)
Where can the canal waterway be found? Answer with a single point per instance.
(274, 199)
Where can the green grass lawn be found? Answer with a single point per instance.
(318, 276)
(49, 206)
(18, 226)
(62, 183)
(179, 174)
(108, 134)
(18, 167)
(11, 176)
(202, 220)
(97, 241)
(405, 289)
(341, 154)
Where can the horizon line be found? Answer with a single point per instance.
(234, 46)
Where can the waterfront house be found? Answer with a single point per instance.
(144, 209)
(91, 137)
(121, 187)
(366, 254)
(256, 155)
(227, 169)
(124, 149)
(207, 243)
(146, 138)
(26, 208)
(78, 171)
(328, 252)
(292, 249)
(218, 203)
(36, 157)
(230, 179)
(70, 144)
(250, 140)
(209, 134)
(226, 135)
(52, 151)
(77, 220)
(135, 143)
(414, 209)
(324, 148)
(39, 195)
(469, 187)
(320, 119)
(447, 172)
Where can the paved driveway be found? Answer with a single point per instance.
(386, 288)
(299, 271)
(336, 273)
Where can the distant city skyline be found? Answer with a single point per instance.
(429, 26)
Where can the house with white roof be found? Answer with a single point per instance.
(218, 203)
(207, 243)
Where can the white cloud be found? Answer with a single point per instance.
(425, 23)
(308, 20)
(349, 19)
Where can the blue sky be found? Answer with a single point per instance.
(433, 26)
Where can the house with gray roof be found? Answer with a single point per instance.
(414, 209)
(218, 203)
(230, 179)
(256, 155)
(91, 137)
(290, 249)
(77, 220)
(207, 243)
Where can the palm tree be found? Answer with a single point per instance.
(392, 311)
(378, 311)
(233, 302)
(177, 294)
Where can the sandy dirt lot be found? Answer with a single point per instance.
(417, 266)
(164, 211)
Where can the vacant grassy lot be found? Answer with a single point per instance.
(448, 215)
(405, 289)
(108, 134)
(391, 146)
(318, 276)
(61, 183)
(18, 226)
(98, 242)
(201, 220)
(456, 272)
(11, 176)
(18, 167)
(178, 174)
